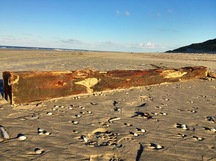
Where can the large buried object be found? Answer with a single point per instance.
(28, 86)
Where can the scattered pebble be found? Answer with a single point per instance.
(75, 131)
(21, 137)
(211, 118)
(78, 116)
(141, 130)
(134, 134)
(182, 126)
(192, 111)
(47, 133)
(39, 151)
(75, 122)
(4, 133)
(159, 107)
(117, 109)
(75, 98)
(163, 113)
(198, 138)
(49, 113)
(82, 112)
(113, 119)
(84, 138)
(40, 130)
(155, 113)
(43, 132)
(155, 146)
(210, 129)
(213, 129)
(158, 147)
(62, 106)
(89, 112)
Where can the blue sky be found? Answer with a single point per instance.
(110, 25)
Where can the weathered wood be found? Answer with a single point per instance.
(28, 86)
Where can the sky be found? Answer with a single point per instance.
(107, 25)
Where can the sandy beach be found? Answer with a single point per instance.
(179, 121)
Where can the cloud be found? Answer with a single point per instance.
(170, 11)
(148, 45)
(71, 41)
(117, 12)
(168, 30)
(127, 13)
(158, 14)
(155, 14)
(6, 38)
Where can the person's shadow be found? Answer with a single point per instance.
(1, 88)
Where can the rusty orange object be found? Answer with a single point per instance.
(28, 86)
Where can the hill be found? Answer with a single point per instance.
(204, 47)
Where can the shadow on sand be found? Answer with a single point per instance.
(1, 88)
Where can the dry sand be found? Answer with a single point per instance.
(81, 128)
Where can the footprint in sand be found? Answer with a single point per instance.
(100, 157)
(100, 137)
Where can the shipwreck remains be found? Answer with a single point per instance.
(28, 86)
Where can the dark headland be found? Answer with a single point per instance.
(204, 47)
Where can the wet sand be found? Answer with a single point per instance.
(173, 121)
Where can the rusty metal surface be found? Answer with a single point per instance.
(28, 86)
